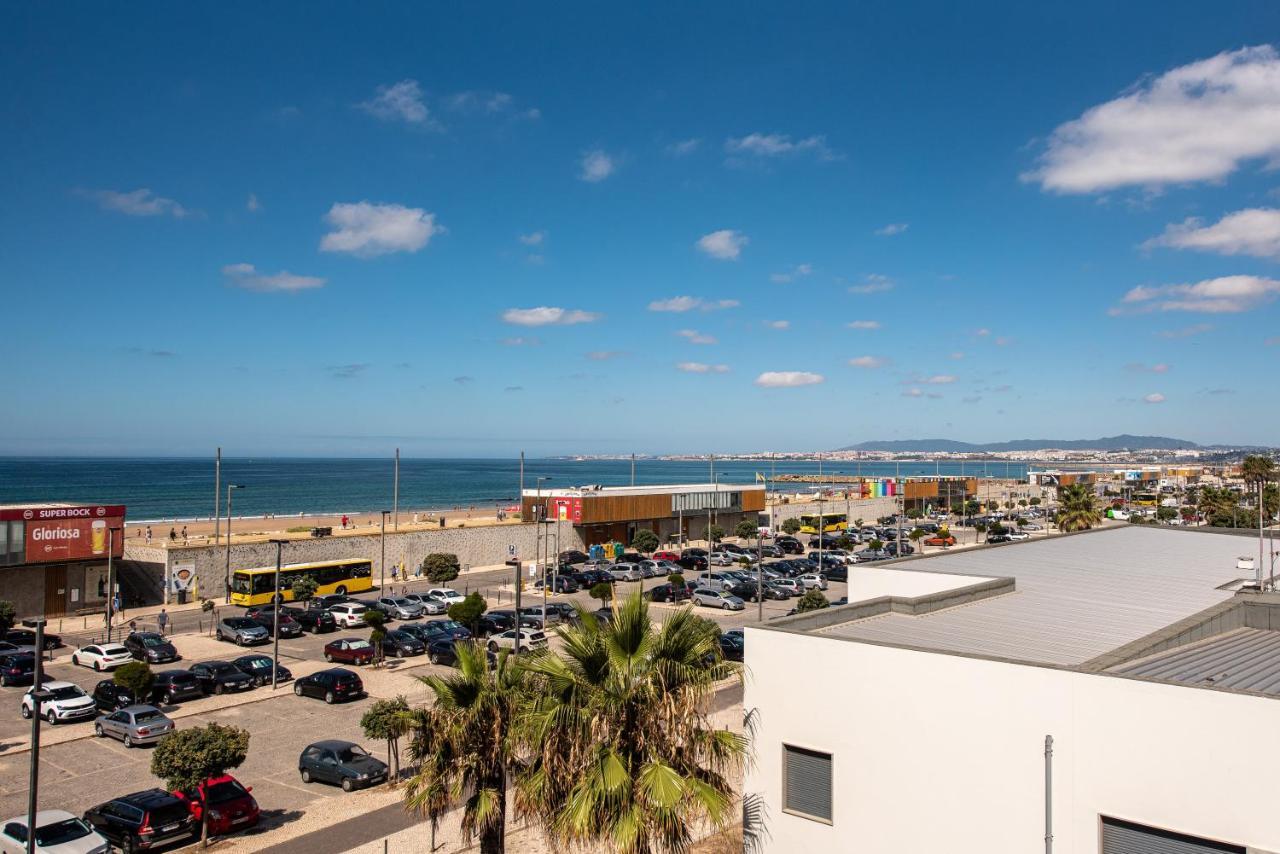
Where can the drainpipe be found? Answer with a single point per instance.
(1048, 794)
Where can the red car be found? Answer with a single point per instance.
(671, 556)
(349, 651)
(231, 807)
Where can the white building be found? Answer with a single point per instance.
(915, 719)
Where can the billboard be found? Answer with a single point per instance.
(68, 533)
(567, 510)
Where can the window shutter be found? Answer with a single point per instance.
(807, 782)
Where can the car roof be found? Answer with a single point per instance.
(43, 817)
(53, 686)
(332, 744)
(341, 671)
(140, 707)
(111, 647)
(148, 798)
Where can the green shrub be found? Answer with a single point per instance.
(137, 677)
(791, 526)
(812, 600)
(645, 541)
(440, 567)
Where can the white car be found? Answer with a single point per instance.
(349, 615)
(1019, 535)
(447, 595)
(529, 639)
(811, 581)
(62, 702)
(57, 832)
(101, 656)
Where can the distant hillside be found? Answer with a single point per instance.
(1107, 443)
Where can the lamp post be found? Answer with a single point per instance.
(111, 582)
(227, 581)
(539, 542)
(382, 571)
(37, 694)
(275, 616)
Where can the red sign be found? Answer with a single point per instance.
(73, 539)
(42, 514)
(566, 510)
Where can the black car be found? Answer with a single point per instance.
(443, 651)
(26, 637)
(999, 538)
(563, 583)
(836, 571)
(331, 685)
(697, 563)
(219, 677)
(770, 551)
(259, 667)
(324, 603)
(491, 623)
(110, 697)
(423, 632)
(789, 545)
(400, 643)
(667, 593)
(342, 764)
(17, 668)
(731, 647)
(892, 548)
(573, 556)
(289, 627)
(451, 627)
(143, 820)
(174, 686)
(312, 619)
(568, 613)
(150, 647)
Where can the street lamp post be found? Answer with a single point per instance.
(539, 544)
(382, 571)
(227, 581)
(37, 694)
(111, 581)
(275, 616)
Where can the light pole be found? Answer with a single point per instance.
(275, 616)
(111, 581)
(227, 581)
(37, 694)
(539, 541)
(382, 571)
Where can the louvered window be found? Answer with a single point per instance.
(1125, 837)
(807, 783)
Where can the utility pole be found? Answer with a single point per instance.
(111, 589)
(275, 616)
(37, 694)
(633, 469)
(395, 492)
(522, 519)
(217, 495)
(382, 572)
(227, 580)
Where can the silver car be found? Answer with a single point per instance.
(242, 631)
(625, 572)
(399, 607)
(717, 599)
(429, 606)
(134, 725)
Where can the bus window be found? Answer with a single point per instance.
(240, 583)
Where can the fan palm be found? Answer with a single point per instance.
(1257, 471)
(622, 748)
(464, 747)
(1077, 508)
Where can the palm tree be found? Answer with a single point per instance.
(622, 747)
(1257, 471)
(1077, 508)
(464, 746)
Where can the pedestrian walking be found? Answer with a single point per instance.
(184, 534)
(162, 620)
(173, 535)
(133, 627)
(393, 572)
(148, 535)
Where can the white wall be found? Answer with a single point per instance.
(944, 753)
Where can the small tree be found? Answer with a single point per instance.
(189, 757)
(716, 533)
(876, 544)
(440, 567)
(7, 615)
(1021, 523)
(972, 507)
(914, 513)
(468, 611)
(388, 720)
(1008, 505)
(1035, 501)
(603, 591)
(981, 528)
(747, 530)
(377, 621)
(945, 534)
(916, 535)
(812, 600)
(996, 528)
(137, 677)
(1165, 514)
(645, 541)
(845, 542)
(676, 579)
(304, 588)
(791, 526)
(1022, 502)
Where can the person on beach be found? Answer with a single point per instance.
(184, 534)
(173, 535)
(148, 535)
(162, 620)
(344, 522)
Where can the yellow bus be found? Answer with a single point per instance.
(1146, 499)
(832, 523)
(256, 586)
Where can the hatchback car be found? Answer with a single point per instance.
(812, 581)
(175, 686)
(231, 807)
(667, 593)
(26, 637)
(17, 668)
(57, 832)
(101, 656)
(443, 651)
(717, 599)
(108, 696)
(259, 667)
(429, 605)
(529, 639)
(289, 627)
(625, 572)
(143, 820)
(401, 644)
(134, 725)
(219, 677)
(731, 647)
(349, 651)
(447, 595)
(452, 628)
(331, 685)
(341, 763)
(61, 702)
(242, 631)
(399, 607)
(349, 615)
(150, 647)
(314, 620)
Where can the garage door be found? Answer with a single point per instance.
(1124, 837)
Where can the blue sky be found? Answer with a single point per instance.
(335, 228)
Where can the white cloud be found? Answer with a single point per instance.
(137, 203)
(520, 341)
(548, 316)
(399, 102)
(687, 303)
(892, 228)
(1224, 295)
(868, 362)
(762, 145)
(534, 238)
(863, 324)
(982, 333)
(875, 283)
(913, 392)
(1154, 397)
(788, 379)
(725, 244)
(957, 355)
(246, 276)
(796, 272)
(596, 165)
(701, 368)
(1186, 331)
(1255, 232)
(252, 205)
(683, 147)
(1197, 122)
(366, 230)
(693, 336)
(605, 355)
(1139, 367)
(938, 379)
(779, 324)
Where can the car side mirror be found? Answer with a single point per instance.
(248, 788)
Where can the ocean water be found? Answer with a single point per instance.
(155, 489)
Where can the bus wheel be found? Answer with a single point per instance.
(342, 590)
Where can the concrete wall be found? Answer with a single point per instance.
(937, 752)
(478, 546)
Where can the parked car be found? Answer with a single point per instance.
(429, 605)
(769, 550)
(938, 540)
(668, 593)
(536, 618)
(173, 686)
(838, 572)
(230, 805)
(219, 677)
(558, 584)
(17, 668)
(812, 581)
(573, 556)
(790, 585)
(57, 832)
(399, 607)
(625, 572)
(27, 637)
(7, 648)
(731, 647)
(241, 631)
(62, 702)
(349, 651)
(289, 627)
(327, 601)
(649, 569)
(995, 539)
(312, 620)
(717, 599)
(341, 763)
(452, 628)
(529, 639)
(668, 556)
(134, 725)
(108, 696)
(401, 644)
(151, 647)
(697, 563)
(867, 555)
(349, 615)
(447, 595)
(899, 551)
(142, 821)
(1017, 536)
(331, 685)
(259, 667)
(443, 651)
(101, 656)
(489, 623)
(789, 545)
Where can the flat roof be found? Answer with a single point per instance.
(589, 491)
(1243, 659)
(1075, 598)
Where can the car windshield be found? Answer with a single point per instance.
(148, 716)
(241, 623)
(449, 624)
(61, 832)
(447, 591)
(403, 601)
(227, 790)
(359, 644)
(348, 754)
(257, 661)
(70, 692)
(152, 640)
